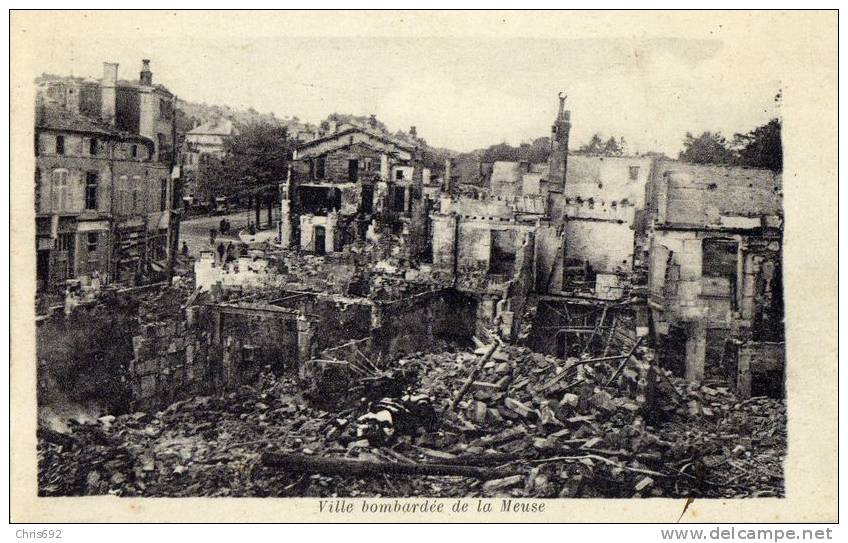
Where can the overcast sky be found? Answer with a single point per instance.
(461, 93)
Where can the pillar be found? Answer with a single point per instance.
(384, 167)
(305, 334)
(696, 352)
(743, 373)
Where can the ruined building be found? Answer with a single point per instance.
(351, 185)
(716, 293)
(104, 191)
(598, 240)
(581, 258)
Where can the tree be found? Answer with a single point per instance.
(597, 146)
(256, 162)
(213, 180)
(501, 152)
(708, 148)
(762, 147)
(614, 147)
(594, 147)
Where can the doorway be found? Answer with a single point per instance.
(42, 269)
(320, 240)
(353, 170)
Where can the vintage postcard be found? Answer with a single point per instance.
(424, 266)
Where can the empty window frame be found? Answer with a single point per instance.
(502, 255)
(61, 197)
(353, 170)
(634, 173)
(60, 145)
(320, 168)
(720, 260)
(92, 240)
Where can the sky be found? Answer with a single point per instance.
(461, 93)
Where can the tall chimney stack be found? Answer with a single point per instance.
(560, 131)
(108, 94)
(413, 132)
(72, 98)
(447, 185)
(146, 76)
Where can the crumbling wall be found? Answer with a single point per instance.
(517, 291)
(338, 321)
(506, 178)
(244, 272)
(419, 322)
(761, 368)
(611, 180)
(481, 207)
(713, 195)
(606, 246)
(175, 359)
(549, 246)
(444, 243)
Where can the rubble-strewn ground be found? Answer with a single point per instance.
(535, 436)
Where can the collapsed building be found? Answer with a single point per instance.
(623, 309)
(689, 253)
(580, 256)
(351, 185)
(715, 279)
(564, 256)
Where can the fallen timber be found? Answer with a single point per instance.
(342, 466)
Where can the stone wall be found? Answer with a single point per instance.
(176, 359)
(419, 322)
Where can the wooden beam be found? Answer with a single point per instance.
(346, 467)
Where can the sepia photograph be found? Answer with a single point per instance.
(309, 265)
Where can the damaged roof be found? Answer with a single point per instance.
(353, 130)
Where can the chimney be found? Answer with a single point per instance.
(108, 93)
(413, 132)
(448, 183)
(372, 121)
(72, 98)
(146, 76)
(559, 143)
(334, 127)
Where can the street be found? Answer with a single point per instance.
(195, 230)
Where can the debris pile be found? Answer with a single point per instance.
(505, 421)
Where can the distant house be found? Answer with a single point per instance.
(207, 139)
(202, 142)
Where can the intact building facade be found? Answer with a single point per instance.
(103, 189)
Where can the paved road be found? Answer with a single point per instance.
(195, 230)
